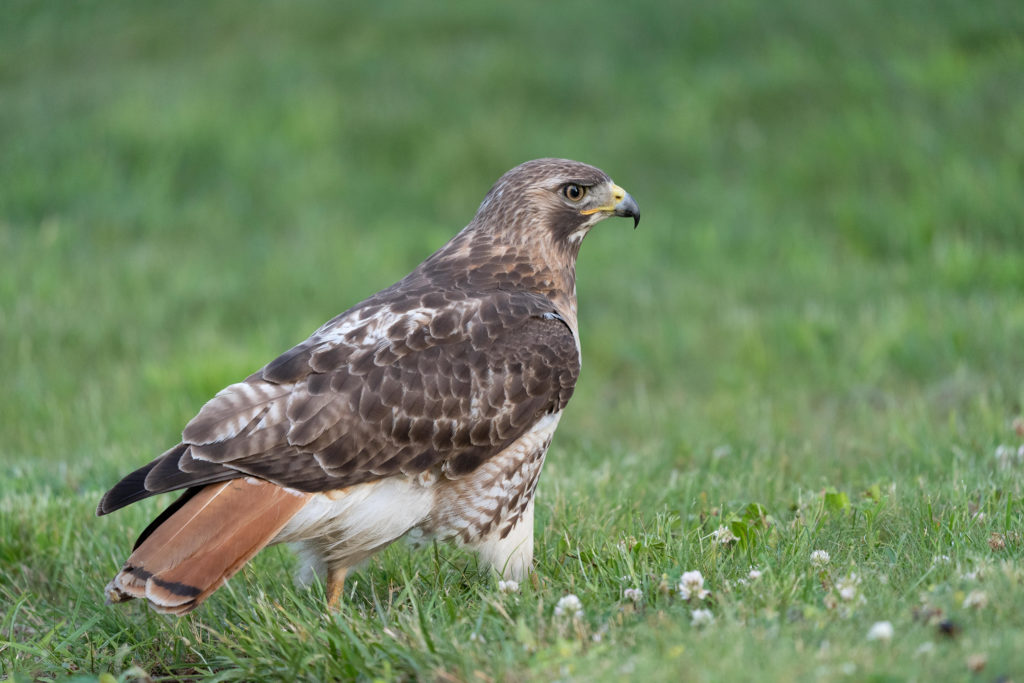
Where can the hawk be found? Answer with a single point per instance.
(426, 410)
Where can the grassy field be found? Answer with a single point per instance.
(815, 339)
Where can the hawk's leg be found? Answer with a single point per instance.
(512, 556)
(335, 586)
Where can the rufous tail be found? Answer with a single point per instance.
(202, 544)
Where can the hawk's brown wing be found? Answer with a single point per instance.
(386, 388)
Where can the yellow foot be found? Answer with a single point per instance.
(335, 587)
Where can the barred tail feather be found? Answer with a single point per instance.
(204, 543)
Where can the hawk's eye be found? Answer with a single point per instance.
(574, 192)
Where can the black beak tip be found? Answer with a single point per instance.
(629, 207)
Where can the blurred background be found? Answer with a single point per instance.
(830, 266)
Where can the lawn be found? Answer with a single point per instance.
(814, 341)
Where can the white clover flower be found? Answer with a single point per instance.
(691, 585)
(723, 535)
(754, 574)
(701, 617)
(569, 606)
(1008, 456)
(847, 587)
(976, 599)
(941, 559)
(881, 630)
(819, 558)
(509, 586)
(633, 594)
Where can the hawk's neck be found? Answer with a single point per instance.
(480, 262)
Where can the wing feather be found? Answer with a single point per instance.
(404, 388)
(233, 409)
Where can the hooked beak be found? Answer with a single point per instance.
(622, 204)
(627, 206)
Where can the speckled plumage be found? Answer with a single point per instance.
(426, 409)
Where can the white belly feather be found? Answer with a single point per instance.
(343, 528)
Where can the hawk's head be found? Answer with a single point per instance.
(564, 197)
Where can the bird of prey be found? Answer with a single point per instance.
(426, 410)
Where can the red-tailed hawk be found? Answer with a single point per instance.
(425, 410)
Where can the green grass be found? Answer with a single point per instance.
(821, 314)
